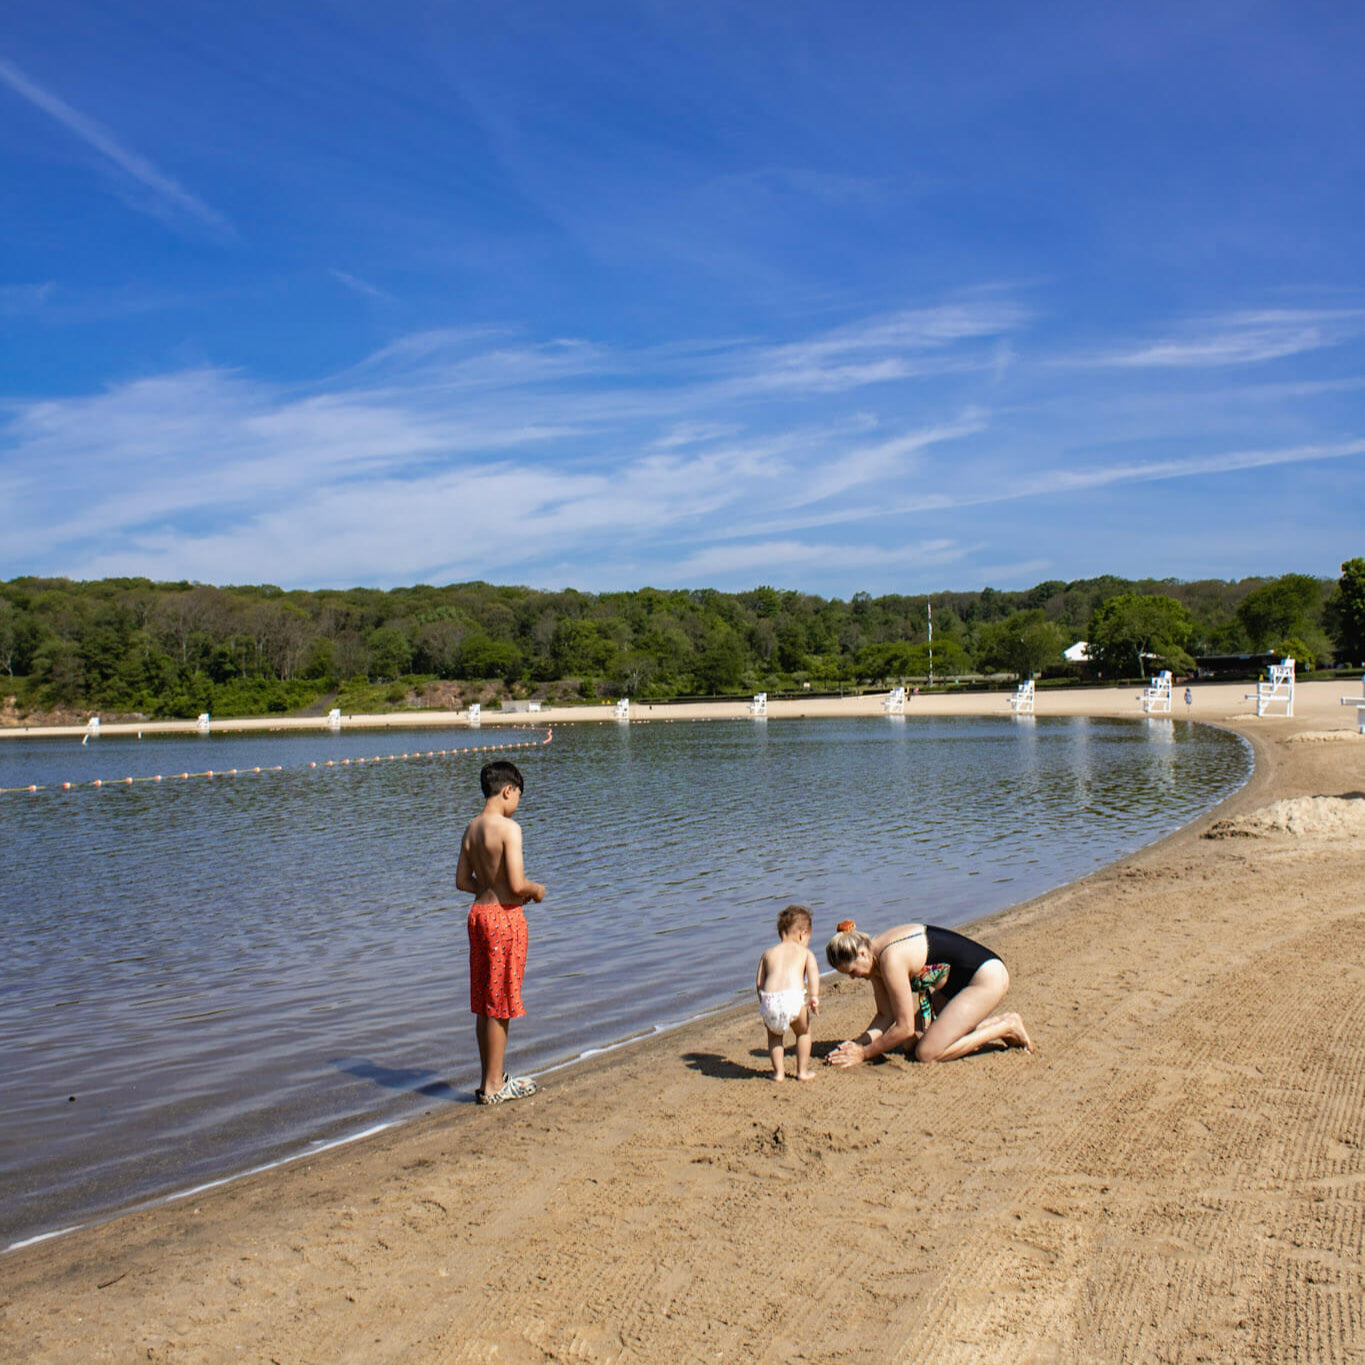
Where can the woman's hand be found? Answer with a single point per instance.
(847, 1054)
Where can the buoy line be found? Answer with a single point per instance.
(279, 767)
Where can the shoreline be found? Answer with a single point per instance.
(1214, 702)
(1167, 1144)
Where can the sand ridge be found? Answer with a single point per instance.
(1178, 1173)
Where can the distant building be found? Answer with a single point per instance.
(1233, 665)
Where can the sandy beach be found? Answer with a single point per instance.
(1177, 1174)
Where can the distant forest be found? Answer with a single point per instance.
(132, 646)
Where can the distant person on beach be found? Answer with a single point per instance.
(935, 992)
(788, 986)
(1189, 699)
(490, 868)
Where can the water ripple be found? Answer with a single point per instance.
(220, 971)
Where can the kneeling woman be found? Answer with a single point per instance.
(935, 991)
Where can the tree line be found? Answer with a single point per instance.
(175, 649)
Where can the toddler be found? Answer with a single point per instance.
(788, 986)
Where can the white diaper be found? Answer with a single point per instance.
(777, 1009)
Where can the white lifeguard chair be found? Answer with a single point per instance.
(759, 705)
(1156, 699)
(202, 724)
(533, 706)
(1278, 691)
(475, 714)
(92, 728)
(1359, 704)
(334, 718)
(1022, 701)
(894, 702)
(623, 709)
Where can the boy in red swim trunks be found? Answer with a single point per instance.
(490, 868)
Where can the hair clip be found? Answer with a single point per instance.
(846, 926)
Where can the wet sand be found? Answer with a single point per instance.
(1177, 1174)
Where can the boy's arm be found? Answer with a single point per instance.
(517, 883)
(466, 879)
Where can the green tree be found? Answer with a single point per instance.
(1134, 631)
(880, 662)
(1024, 643)
(482, 657)
(1348, 610)
(948, 658)
(9, 635)
(720, 666)
(390, 653)
(1290, 605)
(1304, 654)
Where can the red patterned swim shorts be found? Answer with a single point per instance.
(497, 960)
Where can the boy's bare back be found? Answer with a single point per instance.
(490, 857)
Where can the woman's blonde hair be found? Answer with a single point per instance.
(844, 947)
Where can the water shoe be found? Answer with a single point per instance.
(513, 1088)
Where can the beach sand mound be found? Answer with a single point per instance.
(1305, 817)
(1323, 736)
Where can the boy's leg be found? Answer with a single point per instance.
(801, 1027)
(778, 1054)
(492, 1051)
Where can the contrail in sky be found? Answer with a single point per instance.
(108, 146)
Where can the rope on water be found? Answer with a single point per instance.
(279, 768)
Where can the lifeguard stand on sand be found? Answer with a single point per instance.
(475, 714)
(759, 705)
(1278, 691)
(1359, 704)
(894, 702)
(1156, 699)
(623, 709)
(334, 718)
(1022, 701)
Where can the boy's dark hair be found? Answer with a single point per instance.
(792, 916)
(493, 777)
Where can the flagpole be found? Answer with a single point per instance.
(930, 605)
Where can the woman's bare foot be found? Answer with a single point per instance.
(1017, 1036)
(805, 1075)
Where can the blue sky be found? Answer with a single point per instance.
(890, 297)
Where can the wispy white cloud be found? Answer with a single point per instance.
(20, 299)
(358, 286)
(169, 200)
(771, 556)
(834, 187)
(881, 350)
(1244, 338)
(656, 467)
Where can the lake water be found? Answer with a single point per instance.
(204, 975)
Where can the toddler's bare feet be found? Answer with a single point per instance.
(778, 1078)
(805, 1075)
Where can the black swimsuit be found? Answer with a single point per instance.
(962, 955)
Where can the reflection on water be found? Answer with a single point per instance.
(202, 975)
